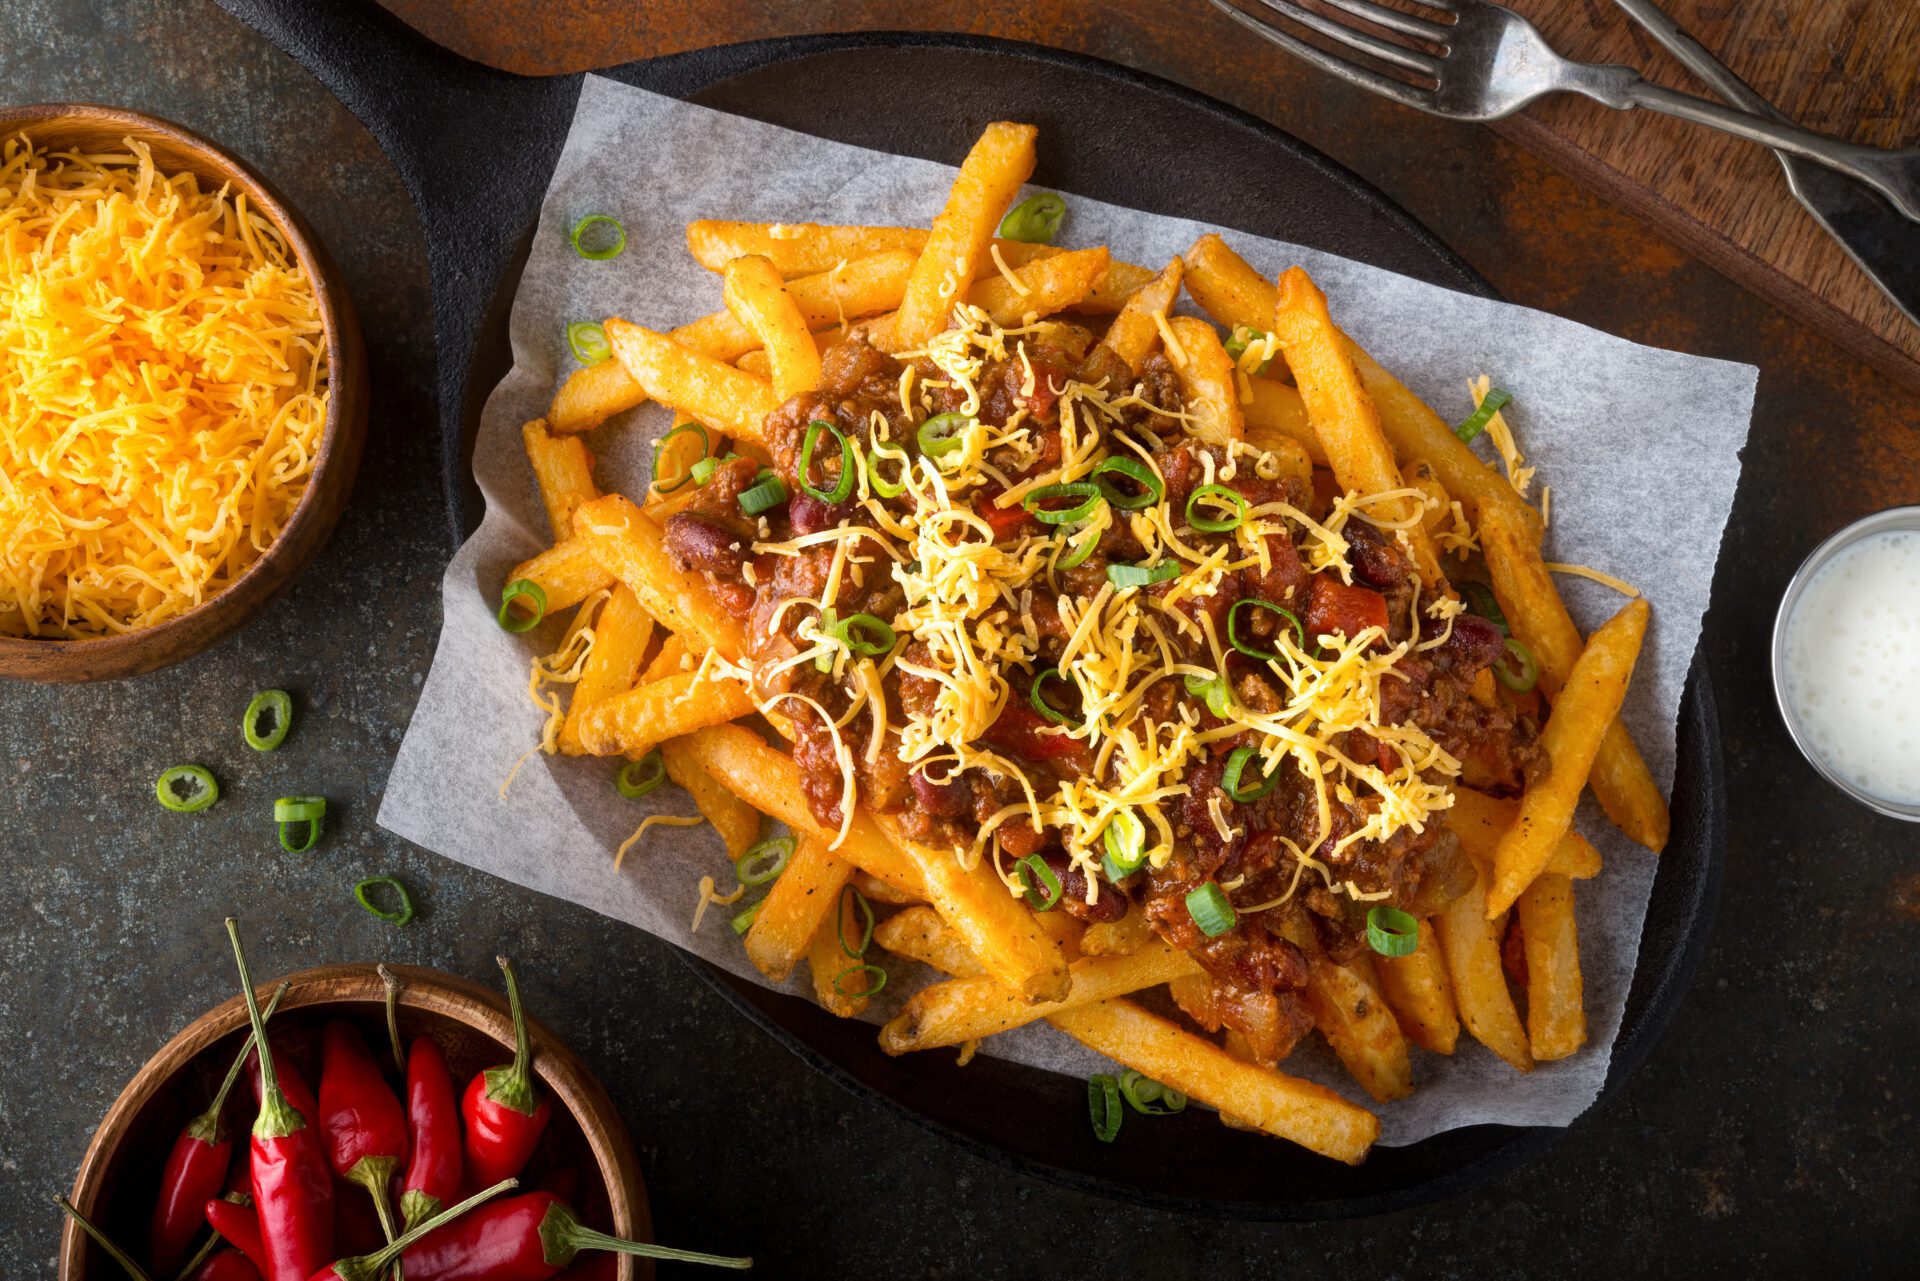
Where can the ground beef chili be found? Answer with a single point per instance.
(1254, 975)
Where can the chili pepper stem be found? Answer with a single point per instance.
(512, 1086)
(375, 1174)
(114, 1252)
(207, 1127)
(368, 1267)
(392, 985)
(200, 1256)
(416, 1205)
(278, 1118)
(562, 1236)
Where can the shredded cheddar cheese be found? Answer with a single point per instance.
(1519, 475)
(1583, 571)
(163, 390)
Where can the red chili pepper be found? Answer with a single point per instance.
(196, 1171)
(236, 1222)
(373, 1267)
(433, 1118)
(504, 1111)
(228, 1265)
(525, 1238)
(1335, 607)
(292, 1186)
(360, 1118)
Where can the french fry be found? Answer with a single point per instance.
(995, 926)
(1051, 284)
(1342, 413)
(563, 469)
(1136, 330)
(669, 659)
(634, 723)
(1419, 474)
(1478, 820)
(728, 400)
(1621, 781)
(567, 572)
(956, 247)
(591, 395)
(1556, 1018)
(1283, 1106)
(1276, 416)
(803, 899)
(1122, 281)
(737, 822)
(621, 635)
(1471, 945)
(1587, 705)
(1416, 989)
(1348, 1010)
(879, 891)
(920, 935)
(628, 546)
(839, 983)
(1123, 937)
(805, 248)
(971, 1009)
(1206, 378)
(757, 297)
(767, 779)
(1229, 290)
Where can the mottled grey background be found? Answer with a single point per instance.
(1771, 1133)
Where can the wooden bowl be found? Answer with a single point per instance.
(175, 150)
(120, 1174)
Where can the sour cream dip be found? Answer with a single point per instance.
(1846, 660)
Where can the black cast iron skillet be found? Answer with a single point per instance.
(476, 147)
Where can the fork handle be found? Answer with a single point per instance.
(1895, 174)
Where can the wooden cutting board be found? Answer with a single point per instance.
(1845, 67)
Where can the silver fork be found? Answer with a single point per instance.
(1491, 62)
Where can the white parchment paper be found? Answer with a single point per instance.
(1641, 447)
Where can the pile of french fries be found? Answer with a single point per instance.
(790, 291)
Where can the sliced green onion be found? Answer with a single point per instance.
(1125, 837)
(843, 486)
(1148, 1097)
(1034, 220)
(186, 789)
(1210, 910)
(1124, 576)
(1089, 495)
(1392, 932)
(1039, 698)
(1103, 1105)
(881, 485)
(1214, 690)
(766, 494)
(660, 452)
(1247, 647)
(588, 342)
(1528, 675)
(1237, 761)
(743, 920)
(880, 639)
(1042, 885)
(876, 980)
(763, 862)
(522, 589)
(1136, 471)
(1480, 600)
(1477, 421)
(702, 470)
(1219, 496)
(1076, 555)
(642, 777)
(1243, 337)
(605, 252)
(865, 910)
(364, 892)
(940, 435)
(291, 811)
(275, 708)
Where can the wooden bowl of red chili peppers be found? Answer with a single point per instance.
(398, 1115)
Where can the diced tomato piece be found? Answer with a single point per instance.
(1335, 607)
(1018, 731)
(1006, 521)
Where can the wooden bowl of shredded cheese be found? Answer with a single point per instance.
(183, 393)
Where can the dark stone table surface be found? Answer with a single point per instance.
(1771, 1132)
